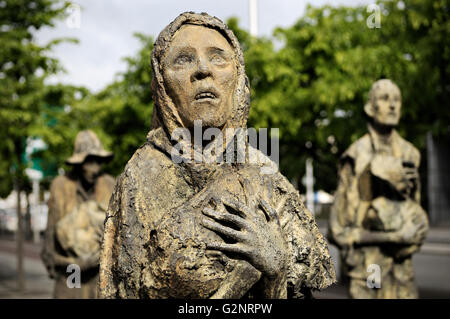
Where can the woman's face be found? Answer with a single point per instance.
(200, 73)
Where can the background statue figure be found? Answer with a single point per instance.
(377, 218)
(201, 229)
(77, 209)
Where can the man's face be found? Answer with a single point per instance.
(90, 169)
(387, 104)
(200, 75)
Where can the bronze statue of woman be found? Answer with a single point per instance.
(199, 229)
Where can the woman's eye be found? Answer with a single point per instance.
(218, 59)
(183, 59)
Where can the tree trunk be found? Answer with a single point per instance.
(19, 232)
(19, 238)
(27, 222)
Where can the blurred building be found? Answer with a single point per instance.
(35, 214)
(438, 155)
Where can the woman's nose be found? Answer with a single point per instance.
(202, 71)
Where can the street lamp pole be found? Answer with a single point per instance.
(309, 185)
(253, 10)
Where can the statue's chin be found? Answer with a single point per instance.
(390, 123)
(387, 122)
(216, 123)
(208, 119)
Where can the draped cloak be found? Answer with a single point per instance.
(154, 245)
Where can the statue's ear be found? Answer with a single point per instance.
(368, 109)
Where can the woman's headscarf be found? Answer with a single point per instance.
(165, 113)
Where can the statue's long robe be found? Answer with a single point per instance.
(354, 198)
(65, 195)
(154, 246)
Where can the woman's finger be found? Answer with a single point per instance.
(224, 230)
(226, 217)
(232, 248)
(270, 213)
(241, 209)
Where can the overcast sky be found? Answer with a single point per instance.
(107, 27)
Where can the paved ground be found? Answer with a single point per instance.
(37, 283)
(432, 277)
(432, 266)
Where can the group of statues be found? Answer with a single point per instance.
(197, 229)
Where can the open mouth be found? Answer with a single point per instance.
(205, 95)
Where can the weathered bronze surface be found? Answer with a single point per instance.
(377, 217)
(197, 229)
(76, 213)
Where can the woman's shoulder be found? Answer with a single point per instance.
(146, 158)
(146, 165)
(150, 181)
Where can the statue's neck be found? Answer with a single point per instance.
(384, 132)
(381, 137)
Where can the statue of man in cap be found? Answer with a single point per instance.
(377, 220)
(77, 210)
(200, 228)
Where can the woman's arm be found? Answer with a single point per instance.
(238, 282)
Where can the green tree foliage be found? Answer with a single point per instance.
(23, 69)
(315, 86)
(121, 113)
(311, 80)
(57, 125)
(24, 66)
